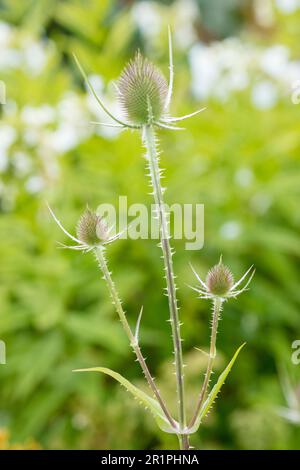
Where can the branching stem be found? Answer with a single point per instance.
(100, 255)
(152, 156)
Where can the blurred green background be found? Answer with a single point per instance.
(240, 158)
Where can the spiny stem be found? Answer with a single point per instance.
(152, 156)
(100, 256)
(217, 307)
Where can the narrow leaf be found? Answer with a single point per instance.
(142, 397)
(214, 392)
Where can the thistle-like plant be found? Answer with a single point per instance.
(145, 96)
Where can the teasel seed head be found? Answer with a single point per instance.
(219, 280)
(142, 91)
(92, 229)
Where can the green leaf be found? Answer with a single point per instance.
(214, 392)
(139, 395)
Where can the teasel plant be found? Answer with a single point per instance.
(145, 95)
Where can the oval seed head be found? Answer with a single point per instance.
(142, 91)
(92, 229)
(219, 280)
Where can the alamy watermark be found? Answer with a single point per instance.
(2, 92)
(138, 221)
(2, 352)
(295, 358)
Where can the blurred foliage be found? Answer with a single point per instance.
(55, 314)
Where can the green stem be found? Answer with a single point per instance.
(217, 307)
(152, 156)
(100, 255)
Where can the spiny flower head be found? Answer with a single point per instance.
(144, 95)
(142, 91)
(92, 232)
(92, 229)
(219, 280)
(220, 284)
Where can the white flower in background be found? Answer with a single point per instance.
(51, 131)
(274, 60)
(10, 109)
(147, 18)
(186, 13)
(5, 34)
(205, 70)
(22, 163)
(64, 138)
(293, 71)
(295, 92)
(244, 177)
(220, 68)
(292, 80)
(19, 52)
(7, 137)
(264, 95)
(35, 56)
(35, 184)
(38, 116)
(31, 136)
(71, 125)
(288, 6)
(70, 110)
(238, 80)
(230, 230)
(3, 161)
(10, 58)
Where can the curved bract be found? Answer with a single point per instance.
(142, 397)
